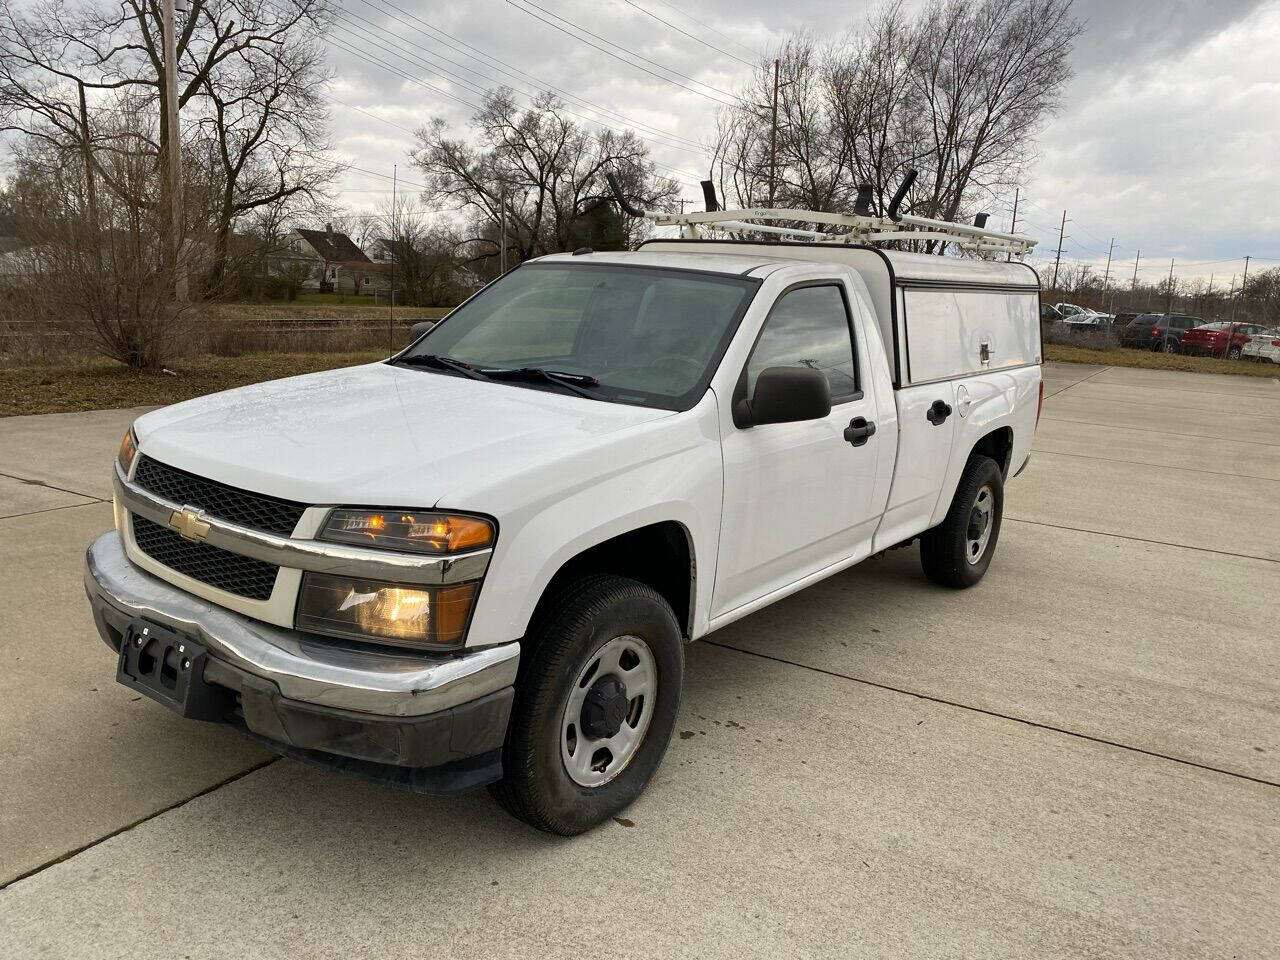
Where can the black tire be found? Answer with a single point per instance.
(1172, 346)
(1233, 353)
(578, 621)
(944, 550)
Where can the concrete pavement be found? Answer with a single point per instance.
(1081, 757)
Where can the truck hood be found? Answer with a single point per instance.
(377, 434)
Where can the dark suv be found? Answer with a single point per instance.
(1158, 331)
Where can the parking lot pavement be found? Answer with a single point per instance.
(1080, 757)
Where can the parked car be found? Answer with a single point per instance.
(1069, 310)
(1158, 331)
(1219, 339)
(1263, 346)
(1122, 320)
(478, 562)
(1050, 314)
(1090, 318)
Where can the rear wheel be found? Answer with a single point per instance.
(957, 552)
(596, 702)
(1170, 346)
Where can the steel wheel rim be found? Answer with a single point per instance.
(981, 520)
(592, 761)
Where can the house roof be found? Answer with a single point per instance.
(333, 247)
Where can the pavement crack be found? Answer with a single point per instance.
(1146, 463)
(1160, 543)
(54, 861)
(1163, 433)
(1096, 373)
(65, 506)
(51, 486)
(943, 701)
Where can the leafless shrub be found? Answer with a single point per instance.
(1079, 335)
(97, 267)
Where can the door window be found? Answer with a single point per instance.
(809, 327)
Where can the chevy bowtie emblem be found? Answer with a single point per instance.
(188, 524)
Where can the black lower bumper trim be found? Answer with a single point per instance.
(447, 741)
(456, 776)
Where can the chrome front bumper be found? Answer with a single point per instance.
(305, 669)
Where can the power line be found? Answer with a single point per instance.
(687, 177)
(705, 43)
(402, 53)
(361, 54)
(736, 43)
(454, 43)
(610, 53)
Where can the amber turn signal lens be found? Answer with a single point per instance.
(418, 532)
(128, 450)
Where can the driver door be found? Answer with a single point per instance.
(798, 497)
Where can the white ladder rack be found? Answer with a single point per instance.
(857, 228)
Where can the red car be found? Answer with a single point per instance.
(1219, 339)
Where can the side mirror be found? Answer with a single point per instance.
(419, 328)
(785, 395)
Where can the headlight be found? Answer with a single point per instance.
(417, 532)
(128, 450)
(408, 614)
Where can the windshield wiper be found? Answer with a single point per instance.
(573, 382)
(442, 363)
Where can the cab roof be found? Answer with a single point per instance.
(726, 262)
(760, 259)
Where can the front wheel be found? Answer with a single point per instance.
(1235, 352)
(596, 702)
(957, 552)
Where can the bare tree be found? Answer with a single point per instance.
(427, 255)
(958, 90)
(549, 169)
(250, 76)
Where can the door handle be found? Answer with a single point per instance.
(859, 430)
(938, 413)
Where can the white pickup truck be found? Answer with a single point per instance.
(478, 562)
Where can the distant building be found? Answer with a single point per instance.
(329, 261)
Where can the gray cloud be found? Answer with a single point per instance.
(1166, 139)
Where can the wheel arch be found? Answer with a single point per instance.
(660, 555)
(998, 445)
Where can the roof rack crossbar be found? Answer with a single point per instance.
(857, 227)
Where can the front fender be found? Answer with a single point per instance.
(675, 475)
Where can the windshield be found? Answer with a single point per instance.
(649, 336)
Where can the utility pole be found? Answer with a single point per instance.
(1169, 302)
(1106, 277)
(502, 230)
(169, 29)
(1013, 222)
(1058, 259)
(1208, 295)
(1133, 287)
(395, 233)
(1243, 285)
(773, 138)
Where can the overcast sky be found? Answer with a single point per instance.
(1168, 140)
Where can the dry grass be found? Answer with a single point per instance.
(1149, 360)
(99, 384)
(353, 309)
(94, 385)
